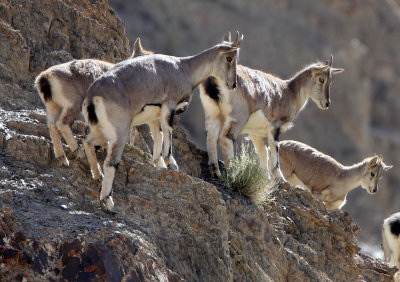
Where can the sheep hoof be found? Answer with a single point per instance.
(160, 163)
(280, 180)
(173, 166)
(97, 177)
(108, 205)
(171, 163)
(214, 170)
(64, 161)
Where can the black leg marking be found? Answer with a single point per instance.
(45, 88)
(211, 88)
(277, 133)
(115, 165)
(92, 114)
(277, 165)
(395, 227)
(171, 117)
(170, 146)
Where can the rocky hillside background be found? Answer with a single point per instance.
(283, 36)
(170, 225)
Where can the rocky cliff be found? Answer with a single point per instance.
(171, 226)
(283, 36)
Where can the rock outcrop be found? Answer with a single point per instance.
(170, 226)
(35, 35)
(281, 38)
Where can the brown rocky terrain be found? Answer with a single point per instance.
(170, 226)
(283, 36)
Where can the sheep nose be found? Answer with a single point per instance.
(234, 85)
(328, 104)
(374, 190)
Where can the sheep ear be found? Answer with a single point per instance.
(238, 40)
(227, 37)
(386, 167)
(319, 70)
(372, 162)
(335, 70)
(228, 50)
(137, 48)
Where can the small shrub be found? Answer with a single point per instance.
(245, 176)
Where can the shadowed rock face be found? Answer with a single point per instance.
(170, 225)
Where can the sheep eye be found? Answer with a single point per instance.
(229, 59)
(372, 174)
(321, 80)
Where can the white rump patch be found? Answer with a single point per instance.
(148, 114)
(57, 91)
(106, 127)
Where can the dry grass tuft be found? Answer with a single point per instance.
(245, 176)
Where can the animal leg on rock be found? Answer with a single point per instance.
(213, 132)
(95, 138)
(227, 138)
(157, 143)
(275, 170)
(133, 133)
(114, 153)
(167, 120)
(68, 115)
(52, 115)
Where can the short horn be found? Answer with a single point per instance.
(238, 40)
(227, 37)
(137, 48)
(330, 61)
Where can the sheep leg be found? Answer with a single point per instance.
(212, 143)
(261, 150)
(273, 138)
(386, 248)
(167, 120)
(132, 137)
(227, 139)
(95, 138)
(68, 115)
(157, 143)
(52, 115)
(111, 163)
(213, 126)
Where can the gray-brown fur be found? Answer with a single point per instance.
(325, 177)
(120, 94)
(262, 105)
(62, 89)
